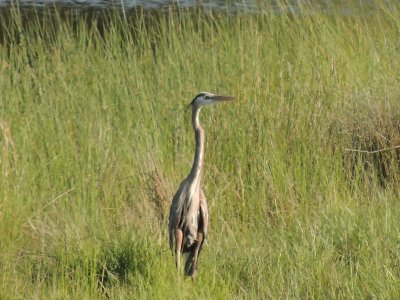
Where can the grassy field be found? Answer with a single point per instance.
(301, 172)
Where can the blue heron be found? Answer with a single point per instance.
(188, 219)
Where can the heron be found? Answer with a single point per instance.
(188, 218)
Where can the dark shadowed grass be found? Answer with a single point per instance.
(301, 172)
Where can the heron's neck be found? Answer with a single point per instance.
(195, 172)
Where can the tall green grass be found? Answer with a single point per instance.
(301, 172)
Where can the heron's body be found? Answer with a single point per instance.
(188, 219)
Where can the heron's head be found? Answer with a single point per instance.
(205, 98)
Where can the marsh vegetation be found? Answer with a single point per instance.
(301, 173)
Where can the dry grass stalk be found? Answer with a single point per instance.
(8, 143)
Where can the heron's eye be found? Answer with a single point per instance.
(206, 97)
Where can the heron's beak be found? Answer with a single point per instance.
(221, 98)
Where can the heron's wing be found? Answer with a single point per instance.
(175, 214)
(204, 213)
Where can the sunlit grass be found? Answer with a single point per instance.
(95, 139)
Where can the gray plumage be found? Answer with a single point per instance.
(188, 219)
